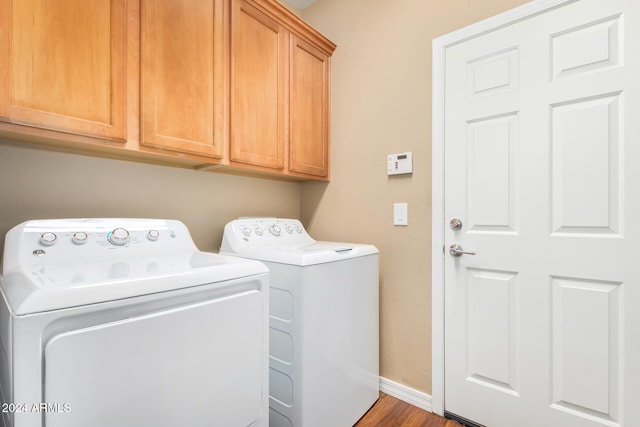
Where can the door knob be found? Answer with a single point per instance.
(455, 224)
(456, 250)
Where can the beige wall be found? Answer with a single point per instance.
(291, 7)
(37, 184)
(381, 104)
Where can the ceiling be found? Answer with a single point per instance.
(300, 4)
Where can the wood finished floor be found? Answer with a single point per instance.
(392, 412)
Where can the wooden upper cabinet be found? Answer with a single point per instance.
(243, 83)
(184, 77)
(258, 67)
(309, 110)
(63, 65)
(280, 87)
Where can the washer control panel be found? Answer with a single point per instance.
(264, 232)
(78, 240)
(117, 237)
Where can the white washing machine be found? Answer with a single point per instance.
(323, 364)
(124, 322)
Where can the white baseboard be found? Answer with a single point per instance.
(406, 394)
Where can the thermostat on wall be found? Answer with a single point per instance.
(399, 163)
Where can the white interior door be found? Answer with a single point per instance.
(542, 155)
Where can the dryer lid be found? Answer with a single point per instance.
(284, 241)
(310, 254)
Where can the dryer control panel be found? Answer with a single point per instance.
(262, 232)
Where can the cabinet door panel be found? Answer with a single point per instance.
(183, 75)
(64, 65)
(309, 110)
(258, 61)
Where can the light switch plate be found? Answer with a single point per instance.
(400, 214)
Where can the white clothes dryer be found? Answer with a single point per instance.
(323, 322)
(124, 322)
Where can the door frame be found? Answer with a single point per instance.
(439, 52)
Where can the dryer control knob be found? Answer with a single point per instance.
(48, 238)
(80, 238)
(153, 235)
(259, 231)
(275, 229)
(290, 229)
(246, 231)
(299, 228)
(118, 237)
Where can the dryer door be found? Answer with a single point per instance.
(194, 365)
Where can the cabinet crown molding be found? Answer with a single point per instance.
(294, 24)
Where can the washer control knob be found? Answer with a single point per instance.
(48, 238)
(246, 231)
(290, 229)
(80, 238)
(275, 229)
(299, 228)
(118, 237)
(259, 231)
(153, 235)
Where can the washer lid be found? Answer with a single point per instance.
(58, 286)
(55, 264)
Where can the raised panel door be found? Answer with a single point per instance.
(309, 110)
(183, 76)
(541, 324)
(258, 77)
(63, 65)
